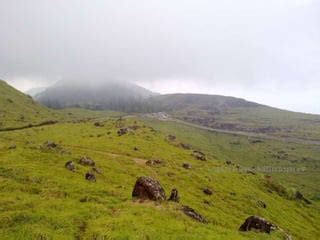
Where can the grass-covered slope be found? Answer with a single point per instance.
(18, 109)
(236, 114)
(295, 165)
(40, 199)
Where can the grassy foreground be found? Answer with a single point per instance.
(40, 199)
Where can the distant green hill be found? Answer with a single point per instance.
(236, 114)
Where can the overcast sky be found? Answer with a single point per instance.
(266, 51)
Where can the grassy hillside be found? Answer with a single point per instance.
(294, 165)
(238, 115)
(18, 109)
(40, 199)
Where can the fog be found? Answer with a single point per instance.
(266, 51)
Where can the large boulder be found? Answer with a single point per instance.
(257, 224)
(147, 188)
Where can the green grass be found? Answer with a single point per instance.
(301, 160)
(40, 199)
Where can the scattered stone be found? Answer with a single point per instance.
(207, 191)
(299, 196)
(12, 147)
(287, 236)
(185, 146)
(187, 166)
(122, 131)
(86, 161)
(98, 124)
(136, 149)
(97, 170)
(50, 144)
(154, 163)
(228, 162)
(171, 137)
(258, 224)
(233, 194)
(147, 188)
(207, 202)
(90, 177)
(193, 214)
(174, 196)
(134, 127)
(255, 141)
(199, 155)
(261, 204)
(251, 172)
(70, 166)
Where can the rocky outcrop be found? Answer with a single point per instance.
(257, 224)
(147, 188)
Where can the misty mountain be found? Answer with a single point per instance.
(120, 96)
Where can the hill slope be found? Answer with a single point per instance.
(236, 114)
(41, 199)
(18, 109)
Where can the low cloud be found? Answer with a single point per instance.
(266, 51)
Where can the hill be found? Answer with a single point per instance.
(19, 110)
(41, 199)
(119, 96)
(234, 114)
(214, 111)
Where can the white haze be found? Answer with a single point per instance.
(266, 51)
